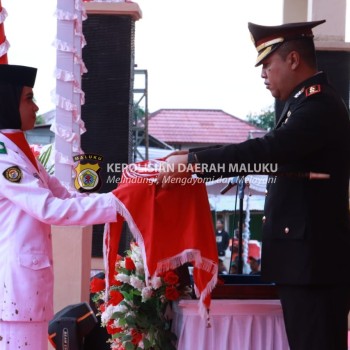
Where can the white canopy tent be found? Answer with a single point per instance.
(254, 193)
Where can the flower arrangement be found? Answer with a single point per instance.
(135, 314)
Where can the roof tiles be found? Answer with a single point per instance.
(179, 126)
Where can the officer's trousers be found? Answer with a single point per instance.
(316, 317)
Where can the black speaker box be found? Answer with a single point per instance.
(107, 112)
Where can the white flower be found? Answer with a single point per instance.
(137, 283)
(120, 308)
(146, 293)
(141, 345)
(140, 270)
(136, 251)
(156, 282)
(107, 314)
(123, 278)
(116, 343)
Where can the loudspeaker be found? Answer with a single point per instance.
(107, 112)
(69, 326)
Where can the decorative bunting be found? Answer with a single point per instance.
(4, 44)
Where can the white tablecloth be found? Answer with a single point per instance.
(235, 325)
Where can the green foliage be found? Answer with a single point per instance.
(138, 112)
(134, 313)
(39, 120)
(264, 120)
(44, 160)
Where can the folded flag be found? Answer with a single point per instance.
(171, 226)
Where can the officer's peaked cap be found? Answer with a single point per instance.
(268, 38)
(17, 75)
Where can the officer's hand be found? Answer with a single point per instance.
(174, 168)
(176, 153)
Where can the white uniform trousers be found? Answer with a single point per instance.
(23, 335)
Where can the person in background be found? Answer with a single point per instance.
(254, 264)
(222, 238)
(30, 202)
(222, 268)
(308, 193)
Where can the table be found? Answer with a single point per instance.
(235, 325)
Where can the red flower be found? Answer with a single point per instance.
(136, 336)
(102, 307)
(171, 293)
(111, 329)
(35, 152)
(115, 297)
(171, 278)
(129, 264)
(97, 285)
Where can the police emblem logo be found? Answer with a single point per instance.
(13, 174)
(87, 174)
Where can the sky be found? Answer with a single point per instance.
(198, 53)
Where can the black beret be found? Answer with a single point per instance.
(17, 75)
(268, 38)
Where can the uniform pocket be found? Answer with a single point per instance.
(34, 261)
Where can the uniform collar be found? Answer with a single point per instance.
(10, 131)
(318, 78)
(298, 92)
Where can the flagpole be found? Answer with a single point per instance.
(4, 45)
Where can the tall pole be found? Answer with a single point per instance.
(68, 124)
(4, 45)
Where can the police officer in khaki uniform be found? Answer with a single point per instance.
(307, 205)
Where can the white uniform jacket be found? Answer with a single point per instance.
(28, 208)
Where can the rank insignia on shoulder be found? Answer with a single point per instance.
(13, 174)
(3, 149)
(314, 89)
(299, 92)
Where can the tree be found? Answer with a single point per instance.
(265, 119)
(39, 120)
(138, 112)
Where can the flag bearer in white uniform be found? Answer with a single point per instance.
(30, 202)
